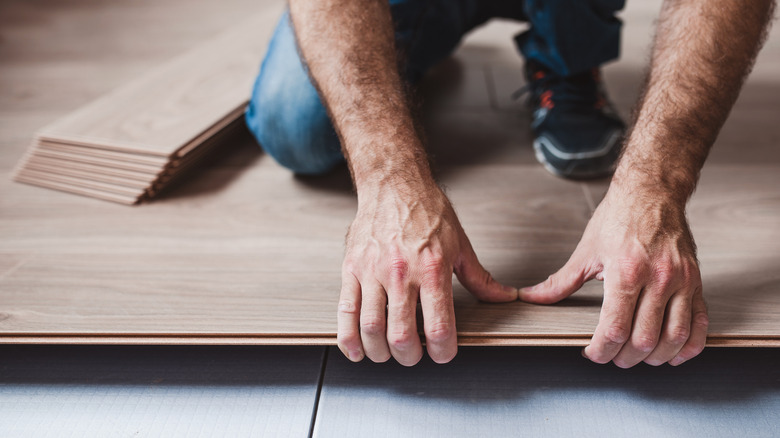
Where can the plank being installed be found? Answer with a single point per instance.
(260, 263)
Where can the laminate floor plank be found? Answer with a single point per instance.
(94, 170)
(98, 161)
(107, 187)
(173, 104)
(243, 252)
(222, 266)
(157, 391)
(78, 189)
(79, 150)
(547, 392)
(86, 175)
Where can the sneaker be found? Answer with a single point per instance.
(577, 132)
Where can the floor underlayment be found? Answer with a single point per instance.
(242, 252)
(77, 391)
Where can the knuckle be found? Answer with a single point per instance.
(616, 335)
(665, 273)
(434, 262)
(401, 340)
(551, 282)
(645, 343)
(679, 335)
(701, 320)
(399, 268)
(349, 266)
(632, 271)
(439, 332)
(372, 326)
(348, 307)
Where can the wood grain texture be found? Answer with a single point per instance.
(86, 175)
(78, 150)
(177, 110)
(91, 169)
(105, 163)
(170, 106)
(79, 190)
(244, 253)
(244, 267)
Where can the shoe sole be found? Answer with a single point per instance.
(583, 165)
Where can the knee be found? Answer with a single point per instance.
(285, 113)
(294, 131)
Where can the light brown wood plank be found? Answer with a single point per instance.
(129, 175)
(79, 150)
(167, 108)
(190, 275)
(87, 176)
(75, 181)
(243, 253)
(79, 190)
(98, 161)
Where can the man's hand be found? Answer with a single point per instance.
(653, 308)
(404, 245)
(638, 240)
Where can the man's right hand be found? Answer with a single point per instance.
(403, 246)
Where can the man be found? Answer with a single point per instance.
(406, 241)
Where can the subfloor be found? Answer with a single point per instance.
(55, 56)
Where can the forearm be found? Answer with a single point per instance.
(349, 48)
(703, 51)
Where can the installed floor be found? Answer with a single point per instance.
(244, 253)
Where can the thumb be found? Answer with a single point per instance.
(479, 282)
(566, 281)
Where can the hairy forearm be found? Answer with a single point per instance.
(703, 51)
(349, 48)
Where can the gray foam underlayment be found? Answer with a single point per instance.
(63, 391)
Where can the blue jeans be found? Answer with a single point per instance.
(288, 118)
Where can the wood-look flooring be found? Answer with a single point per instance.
(161, 122)
(242, 252)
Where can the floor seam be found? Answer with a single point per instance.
(319, 391)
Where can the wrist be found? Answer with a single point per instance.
(398, 166)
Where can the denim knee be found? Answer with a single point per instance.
(285, 113)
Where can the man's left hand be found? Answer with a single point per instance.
(640, 245)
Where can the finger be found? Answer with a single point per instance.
(349, 317)
(566, 281)
(402, 337)
(646, 329)
(439, 315)
(617, 312)
(478, 281)
(675, 332)
(697, 340)
(373, 330)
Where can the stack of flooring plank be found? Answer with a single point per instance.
(129, 144)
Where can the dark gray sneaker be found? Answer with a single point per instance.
(577, 132)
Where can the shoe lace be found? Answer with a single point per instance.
(550, 90)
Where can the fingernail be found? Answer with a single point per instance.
(677, 360)
(510, 290)
(355, 355)
(584, 354)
